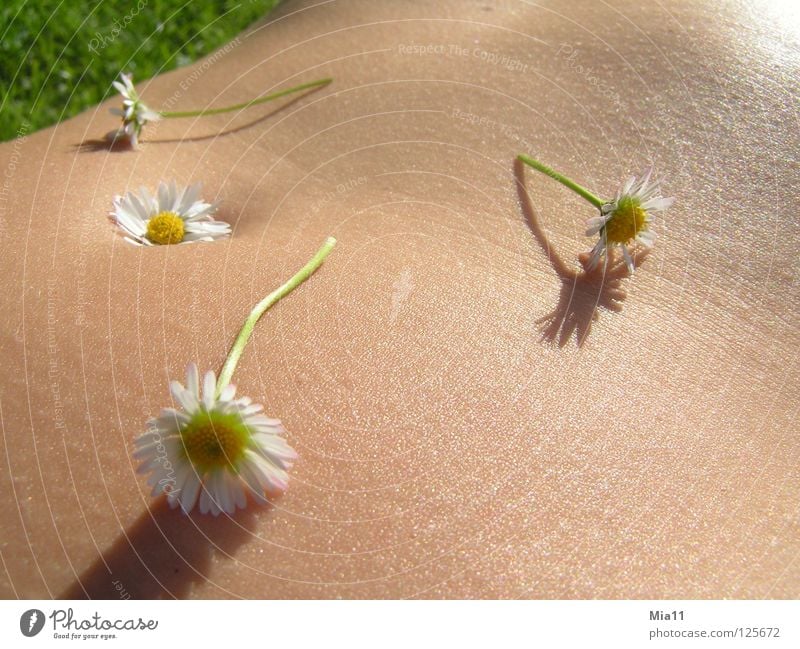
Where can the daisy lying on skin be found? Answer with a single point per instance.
(135, 114)
(627, 218)
(623, 220)
(214, 449)
(173, 215)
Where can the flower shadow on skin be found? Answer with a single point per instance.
(102, 144)
(583, 293)
(164, 554)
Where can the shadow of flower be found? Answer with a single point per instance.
(93, 145)
(163, 554)
(579, 304)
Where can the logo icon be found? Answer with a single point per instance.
(31, 622)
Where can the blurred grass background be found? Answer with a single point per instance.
(58, 57)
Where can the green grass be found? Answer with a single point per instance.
(49, 72)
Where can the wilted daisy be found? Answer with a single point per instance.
(135, 114)
(627, 218)
(214, 447)
(623, 220)
(174, 215)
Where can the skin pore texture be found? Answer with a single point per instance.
(474, 417)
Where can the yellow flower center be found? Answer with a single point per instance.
(626, 222)
(214, 440)
(165, 228)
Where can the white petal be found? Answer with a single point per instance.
(642, 184)
(263, 420)
(226, 501)
(209, 387)
(658, 204)
(276, 449)
(597, 252)
(200, 209)
(163, 197)
(184, 397)
(646, 238)
(626, 186)
(138, 241)
(140, 206)
(595, 224)
(173, 196)
(192, 380)
(132, 225)
(189, 195)
(267, 472)
(215, 486)
(189, 493)
(149, 202)
(205, 501)
(192, 237)
(237, 493)
(252, 481)
(228, 392)
(628, 259)
(173, 490)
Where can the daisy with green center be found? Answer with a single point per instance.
(623, 220)
(136, 114)
(214, 449)
(173, 215)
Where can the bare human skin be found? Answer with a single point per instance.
(455, 440)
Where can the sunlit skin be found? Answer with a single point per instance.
(448, 447)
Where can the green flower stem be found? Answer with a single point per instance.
(247, 104)
(247, 328)
(580, 191)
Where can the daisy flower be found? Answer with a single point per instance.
(173, 215)
(215, 449)
(623, 220)
(135, 114)
(627, 218)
